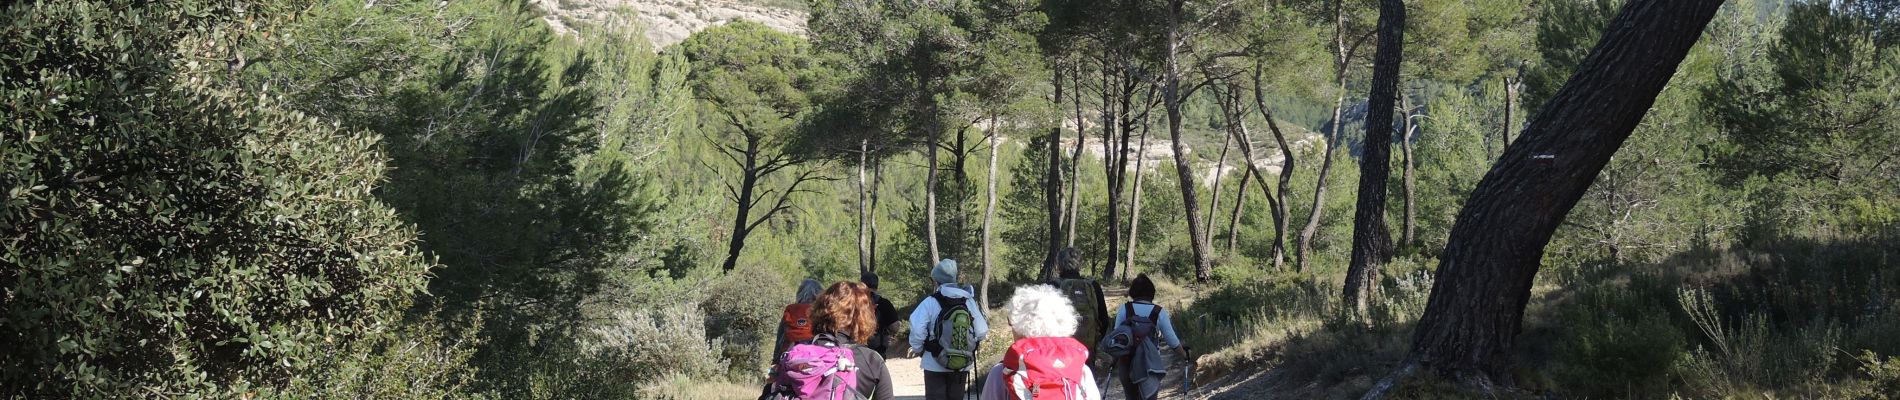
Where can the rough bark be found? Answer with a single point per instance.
(1184, 171)
(1371, 240)
(1484, 279)
(989, 215)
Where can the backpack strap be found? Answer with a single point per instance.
(1154, 314)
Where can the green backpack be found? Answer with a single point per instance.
(1081, 294)
(954, 340)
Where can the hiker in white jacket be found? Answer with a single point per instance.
(940, 381)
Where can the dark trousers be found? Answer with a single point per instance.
(946, 385)
(1140, 385)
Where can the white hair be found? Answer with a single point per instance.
(1041, 311)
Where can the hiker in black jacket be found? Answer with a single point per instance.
(887, 315)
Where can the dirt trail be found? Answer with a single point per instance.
(907, 375)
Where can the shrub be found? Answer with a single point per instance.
(420, 360)
(1615, 354)
(640, 348)
(744, 307)
(168, 233)
(1752, 355)
(1883, 377)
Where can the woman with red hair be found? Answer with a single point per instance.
(842, 315)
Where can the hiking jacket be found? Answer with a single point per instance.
(1147, 357)
(923, 319)
(886, 317)
(1163, 326)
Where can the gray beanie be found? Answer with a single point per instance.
(946, 271)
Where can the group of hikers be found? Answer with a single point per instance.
(831, 343)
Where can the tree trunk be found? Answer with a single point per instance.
(1484, 279)
(1240, 202)
(989, 216)
(1052, 191)
(1213, 197)
(1075, 158)
(1276, 199)
(930, 198)
(864, 240)
(748, 181)
(961, 153)
(1340, 63)
(1114, 164)
(877, 181)
(1407, 236)
(1134, 215)
(1510, 110)
(1203, 268)
(1371, 241)
(1313, 215)
(1235, 116)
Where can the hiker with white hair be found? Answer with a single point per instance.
(946, 329)
(1045, 361)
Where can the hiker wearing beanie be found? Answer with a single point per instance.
(795, 322)
(945, 330)
(886, 315)
(1045, 361)
(1134, 342)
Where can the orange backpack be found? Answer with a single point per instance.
(797, 322)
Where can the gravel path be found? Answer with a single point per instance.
(908, 376)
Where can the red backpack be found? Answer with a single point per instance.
(1045, 368)
(797, 321)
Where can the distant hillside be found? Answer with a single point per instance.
(666, 22)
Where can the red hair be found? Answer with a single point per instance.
(845, 308)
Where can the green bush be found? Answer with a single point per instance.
(1612, 353)
(744, 310)
(1883, 377)
(417, 360)
(169, 234)
(642, 347)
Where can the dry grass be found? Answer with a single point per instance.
(682, 388)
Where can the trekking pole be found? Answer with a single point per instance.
(1187, 372)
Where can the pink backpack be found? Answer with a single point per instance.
(816, 370)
